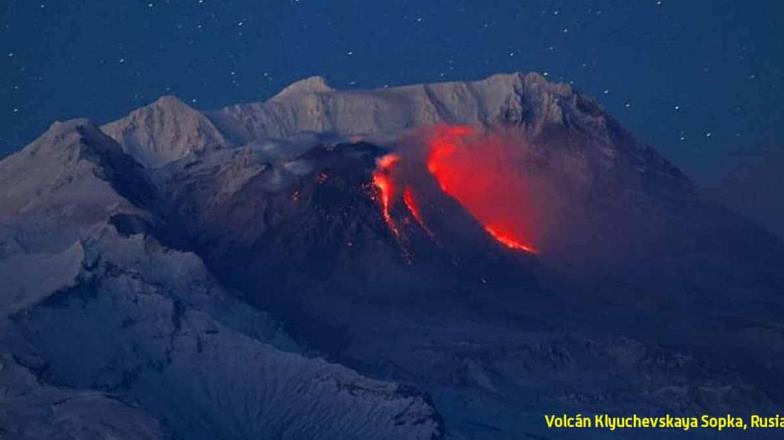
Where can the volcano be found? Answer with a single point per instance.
(431, 261)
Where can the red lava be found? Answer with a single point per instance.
(413, 208)
(482, 172)
(385, 184)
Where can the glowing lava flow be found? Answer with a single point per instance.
(408, 199)
(482, 172)
(442, 145)
(507, 241)
(382, 180)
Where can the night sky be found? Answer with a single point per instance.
(698, 79)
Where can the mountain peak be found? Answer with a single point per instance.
(171, 102)
(85, 127)
(164, 131)
(67, 137)
(70, 124)
(313, 84)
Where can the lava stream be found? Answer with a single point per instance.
(506, 240)
(384, 183)
(408, 199)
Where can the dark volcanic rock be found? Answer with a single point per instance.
(231, 275)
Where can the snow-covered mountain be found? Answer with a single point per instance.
(163, 131)
(257, 272)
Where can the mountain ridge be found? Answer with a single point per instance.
(163, 131)
(309, 110)
(240, 273)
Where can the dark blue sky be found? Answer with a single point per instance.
(698, 79)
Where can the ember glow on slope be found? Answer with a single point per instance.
(482, 172)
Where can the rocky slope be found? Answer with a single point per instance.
(132, 333)
(232, 274)
(747, 188)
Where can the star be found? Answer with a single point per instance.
(735, 68)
